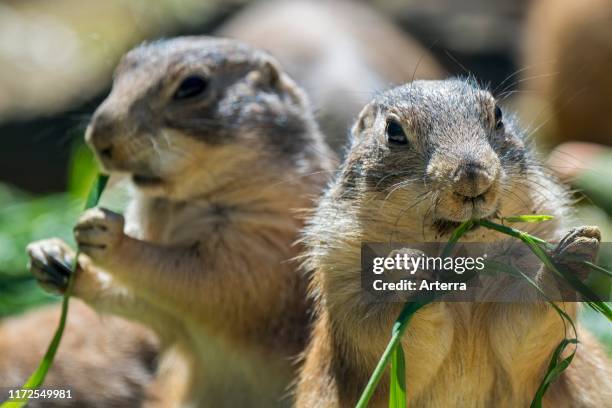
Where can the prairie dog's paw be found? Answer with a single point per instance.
(416, 275)
(579, 244)
(98, 233)
(50, 263)
(405, 270)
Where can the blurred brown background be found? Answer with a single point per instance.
(57, 57)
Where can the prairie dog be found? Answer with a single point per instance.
(222, 152)
(424, 157)
(341, 52)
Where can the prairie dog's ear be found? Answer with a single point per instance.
(271, 73)
(268, 74)
(365, 120)
(489, 105)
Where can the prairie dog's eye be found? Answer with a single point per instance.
(395, 133)
(190, 87)
(499, 123)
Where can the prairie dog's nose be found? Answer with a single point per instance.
(472, 178)
(100, 133)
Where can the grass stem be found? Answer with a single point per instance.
(38, 377)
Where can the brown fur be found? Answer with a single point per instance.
(567, 59)
(204, 254)
(457, 354)
(96, 361)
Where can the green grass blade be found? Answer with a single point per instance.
(554, 370)
(93, 197)
(456, 235)
(576, 284)
(513, 232)
(528, 218)
(598, 268)
(399, 326)
(601, 307)
(38, 377)
(397, 394)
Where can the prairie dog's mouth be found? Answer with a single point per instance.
(444, 226)
(142, 180)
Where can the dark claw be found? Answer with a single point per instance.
(61, 265)
(52, 276)
(575, 234)
(52, 273)
(579, 245)
(85, 247)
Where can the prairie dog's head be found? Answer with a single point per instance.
(192, 112)
(439, 150)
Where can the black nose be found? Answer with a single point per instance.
(472, 179)
(100, 135)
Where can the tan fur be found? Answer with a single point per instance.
(567, 57)
(457, 354)
(204, 257)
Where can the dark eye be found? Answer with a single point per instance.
(395, 133)
(191, 87)
(498, 118)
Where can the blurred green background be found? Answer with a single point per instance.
(56, 61)
(25, 217)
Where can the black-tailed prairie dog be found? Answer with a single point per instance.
(222, 152)
(424, 157)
